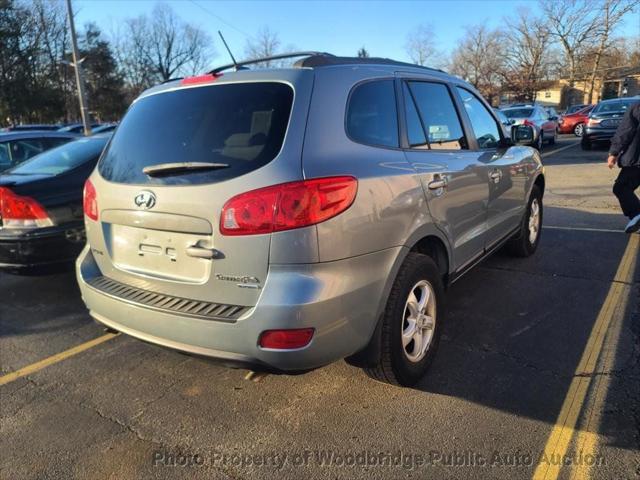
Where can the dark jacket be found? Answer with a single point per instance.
(626, 142)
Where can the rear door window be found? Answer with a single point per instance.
(24, 149)
(439, 116)
(5, 159)
(241, 125)
(64, 158)
(372, 117)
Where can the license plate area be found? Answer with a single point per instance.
(611, 123)
(158, 254)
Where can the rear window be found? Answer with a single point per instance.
(62, 159)
(241, 125)
(607, 107)
(518, 112)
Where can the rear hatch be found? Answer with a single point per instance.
(519, 115)
(158, 224)
(609, 114)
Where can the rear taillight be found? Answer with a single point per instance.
(287, 206)
(90, 201)
(593, 122)
(21, 212)
(286, 339)
(528, 123)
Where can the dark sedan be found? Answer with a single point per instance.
(41, 216)
(17, 147)
(604, 120)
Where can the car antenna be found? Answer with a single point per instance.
(235, 64)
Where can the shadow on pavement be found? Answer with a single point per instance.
(517, 328)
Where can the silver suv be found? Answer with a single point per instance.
(284, 219)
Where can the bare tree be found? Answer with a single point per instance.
(574, 24)
(479, 59)
(363, 53)
(162, 46)
(610, 14)
(265, 44)
(526, 56)
(421, 45)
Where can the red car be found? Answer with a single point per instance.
(574, 122)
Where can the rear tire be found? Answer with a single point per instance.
(552, 140)
(539, 142)
(525, 242)
(578, 130)
(405, 357)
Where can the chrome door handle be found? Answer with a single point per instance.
(437, 184)
(201, 252)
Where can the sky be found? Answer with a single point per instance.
(338, 27)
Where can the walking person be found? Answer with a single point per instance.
(625, 152)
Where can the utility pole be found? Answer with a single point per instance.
(84, 109)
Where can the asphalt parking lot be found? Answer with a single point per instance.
(540, 361)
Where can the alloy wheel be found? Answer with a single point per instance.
(534, 221)
(418, 325)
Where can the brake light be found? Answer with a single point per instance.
(286, 339)
(593, 122)
(206, 78)
(287, 206)
(528, 123)
(90, 201)
(18, 211)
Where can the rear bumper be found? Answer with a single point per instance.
(341, 300)
(598, 134)
(40, 249)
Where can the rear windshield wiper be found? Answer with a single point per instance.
(179, 167)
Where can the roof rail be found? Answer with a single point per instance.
(329, 60)
(253, 61)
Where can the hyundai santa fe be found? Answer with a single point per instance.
(282, 219)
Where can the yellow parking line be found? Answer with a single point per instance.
(558, 442)
(58, 357)
(548, 154)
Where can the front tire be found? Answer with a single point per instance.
(525, 242)
(411, 323)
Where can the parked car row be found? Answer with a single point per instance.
(69, 128)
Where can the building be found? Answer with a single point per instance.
(619, 82)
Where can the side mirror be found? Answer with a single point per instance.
(522, 135)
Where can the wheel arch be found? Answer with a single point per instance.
(428, 241)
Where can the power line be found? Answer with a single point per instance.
(206, 10)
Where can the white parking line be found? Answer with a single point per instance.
(547, 154)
